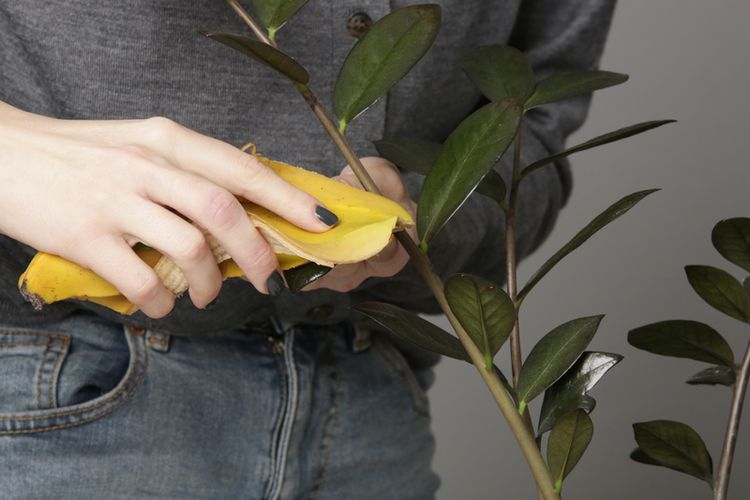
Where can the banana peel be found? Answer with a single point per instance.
(366, 222)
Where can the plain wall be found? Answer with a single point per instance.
(688, 60)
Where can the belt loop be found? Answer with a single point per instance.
(158, 341)
(361, 339)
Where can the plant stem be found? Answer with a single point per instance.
(525, 438)
(257, 30)
(733, 426)
(511, 261)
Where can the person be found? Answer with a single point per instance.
(118, 123)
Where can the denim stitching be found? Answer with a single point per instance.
(330, 426)
(56, 371)
(39, 375)
(279, 420)
(24, 344)
(123, 389)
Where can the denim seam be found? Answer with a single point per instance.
(398, 366)
(24, 344)
(329, 429)
(277, 424)
(128, 386)
(56, 371)
(51, 357)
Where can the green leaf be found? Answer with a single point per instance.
(641, 456)
(570, 84)
(301, 276)
(571, 391)
(746, 285)
(499, 71)
(411, 328)
(567, 443)
(601, 140)
(266, 54)
(683, 339)
(484, 310)
(610, 214)
(676, 446)
(415, 155)
(469, 153)
(715, 375)
(275, 13)
(553, 355)
(731, 238)
(391, 47)
(720, 290)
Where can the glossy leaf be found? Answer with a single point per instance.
(415, 155)
(469, 153)
(265, 54)
(411, 328)
(601, 140)
(720, 290)
(484, 310)
(553, 355)
(683, 339)
(391, 47)
(641, 456)
(571, 391)
(715, 375)
(275, 13)
(731, 238)
(299, 277)
(567, 443)
(499, 71)
(570, 84)
(616, 210)
(676, 446)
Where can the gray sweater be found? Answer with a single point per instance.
(80, 59)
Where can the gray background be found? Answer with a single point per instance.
(688, 59)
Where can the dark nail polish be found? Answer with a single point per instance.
(275, 284)
(326, 216)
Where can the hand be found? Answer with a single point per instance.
(89, 190)
(393, 257)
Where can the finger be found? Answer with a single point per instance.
(115, 261)
(181, 241)
(217, 211)
(239, 172)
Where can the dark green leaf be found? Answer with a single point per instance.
(391, 47)
(484, 310)
(568, 441)
(746, 285)
(715, 375)
(266, 54)
(570, 84)
(469, 153)
(411, 328)
(720, 290)
(610, 214)
(601, 140)
(301, 276)
(419, 156)
(640, 456)
(275, 13)
(553, 355)
(571, 391)
(676, 446)
(683, 339)
(499, 71)
(731, 238)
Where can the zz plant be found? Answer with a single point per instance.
(481, 313)
(676, 445)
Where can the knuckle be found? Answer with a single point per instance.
(159, 128)
(221, 209)
(262, 261)
(193, 247)
(145, 289)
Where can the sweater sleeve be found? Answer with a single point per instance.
(556, 36)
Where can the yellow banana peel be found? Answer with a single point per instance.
(366, 222)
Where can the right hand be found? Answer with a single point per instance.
(89, 190)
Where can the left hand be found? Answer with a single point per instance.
(393, 258)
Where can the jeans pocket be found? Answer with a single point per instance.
(397, 364)
(68, 373)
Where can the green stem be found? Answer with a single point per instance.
(733, 427)
(507, 407)
(257, 30)
(511, 261)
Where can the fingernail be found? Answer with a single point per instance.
(326, 216)
(275, 284)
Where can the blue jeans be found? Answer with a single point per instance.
(92, 409)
